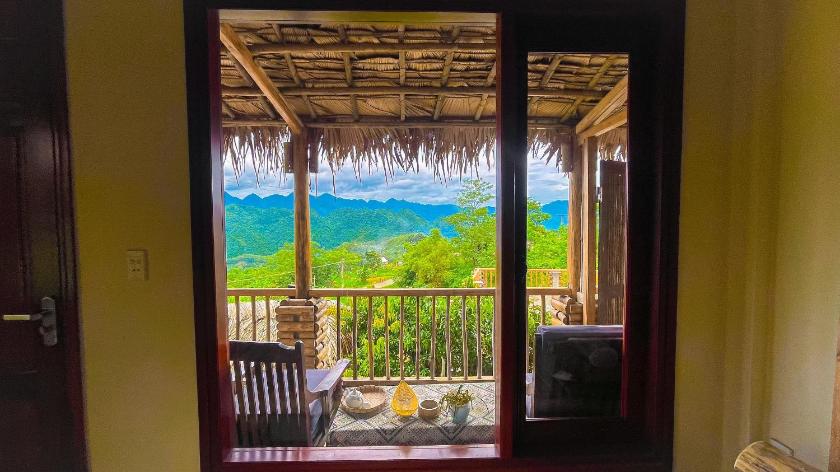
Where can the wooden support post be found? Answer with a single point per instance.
(575, 209)
(589, 166)
(303, 236)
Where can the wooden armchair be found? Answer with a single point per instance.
(276, 401)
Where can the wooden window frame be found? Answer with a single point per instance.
(652, 31)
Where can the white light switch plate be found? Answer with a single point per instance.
(137, 260)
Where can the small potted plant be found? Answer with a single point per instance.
(458, 402)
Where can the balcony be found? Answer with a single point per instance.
(433, 338)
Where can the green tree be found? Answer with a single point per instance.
(547, 249)
(475, 228)
(429, 263)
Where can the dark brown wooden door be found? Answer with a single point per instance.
(40, 400)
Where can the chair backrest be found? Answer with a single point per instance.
(269, 394)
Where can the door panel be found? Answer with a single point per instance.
(40, 386)
(13, 290)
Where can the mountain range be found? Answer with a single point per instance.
(261, 225)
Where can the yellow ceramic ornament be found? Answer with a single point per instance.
(404, 401)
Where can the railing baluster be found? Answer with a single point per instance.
(387, 343)
(448, 342)
(465, 361)
(478, 359)
(493, 335)
(337, 328)
(268, 318)
(370, 337)
(417, 338)
(253, 318)
(402, 322)
(236, 304)
(542, 305)
(527, 344)
(355, 340)
(432, 363)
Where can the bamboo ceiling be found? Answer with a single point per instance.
(394, 95)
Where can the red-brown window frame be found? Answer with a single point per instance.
(652, 31)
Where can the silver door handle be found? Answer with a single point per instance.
(47, 316)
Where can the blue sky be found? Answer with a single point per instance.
(545, 184)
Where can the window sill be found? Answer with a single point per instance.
(374, 457)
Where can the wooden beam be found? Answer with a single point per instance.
(611, 101)
(592, 83)
(575, 209)
(278, 32)
(447, 67)
(438, 108)
(241, 53)
(380, 123)
(546, 78)
(272, 48)
(609, 124)
(303, 236)
(397, 90)
(348, 72)
(549, 72)
(250, 83)
(290, 63)
(589, 161)
(401, 30)
(228, 111)
(491, 76)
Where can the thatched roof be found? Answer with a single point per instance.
(395, 94)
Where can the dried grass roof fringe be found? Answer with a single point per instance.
(612, 145)
(449, 152)
(263, 146)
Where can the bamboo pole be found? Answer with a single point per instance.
(240, 52)
(395, 124)
(274, 48)
(575, 207)
(609, 124)
(303, 236)
(407, 90)
(608, 104)
(589, 167)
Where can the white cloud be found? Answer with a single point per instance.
(545, 184)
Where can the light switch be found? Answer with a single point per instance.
(137, 260)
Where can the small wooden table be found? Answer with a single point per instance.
(386, 428)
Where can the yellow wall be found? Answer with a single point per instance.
(128, 126)
(807, 300)
(129, 138)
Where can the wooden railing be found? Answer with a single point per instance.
(486, 277)
(415, 334)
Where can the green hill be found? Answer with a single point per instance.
(262, 231)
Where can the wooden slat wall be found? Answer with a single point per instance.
(612, 246)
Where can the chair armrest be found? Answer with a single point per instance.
(333, 376)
